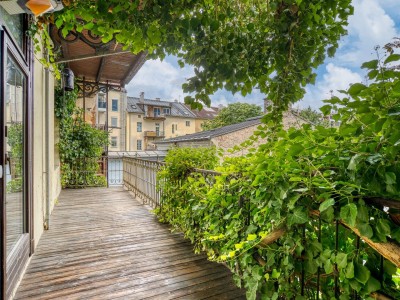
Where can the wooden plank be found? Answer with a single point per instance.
(103, 244)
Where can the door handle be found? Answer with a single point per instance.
(1, 171)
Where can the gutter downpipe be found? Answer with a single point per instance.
(47, 144)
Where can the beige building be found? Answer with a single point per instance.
(106, 110)
(151, 120)
(206, 114)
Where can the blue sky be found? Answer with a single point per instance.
(375, 22)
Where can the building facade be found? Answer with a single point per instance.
(151, 120)
(106, 110)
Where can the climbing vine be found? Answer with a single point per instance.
(305, 216)
(80, 146)
(238, 45)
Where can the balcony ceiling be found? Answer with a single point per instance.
(87, 56)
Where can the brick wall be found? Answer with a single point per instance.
(230, 140)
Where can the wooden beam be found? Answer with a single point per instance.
(388, 250)
(89, 56)
(135, 66)
(101, 68)
(273, 236)
(381, 202)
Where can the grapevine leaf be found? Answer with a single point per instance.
(348, 213)
(298, 216)
(392, 58)
(326, 204)
(361, 273)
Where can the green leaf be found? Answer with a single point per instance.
(295, 149)
(372, 74)
(275, 274)
(392, 57)
(341, 260)
(355, 89)
(390, 178)
(362, 214)
(372, 285)
(299, 216)
(326, 204)
(361, 273)
(373, 64)
(348, 214)
(350, 270)
(251, 237)
(383, 227)
(365, 230)
(326, 109)
(328, 267)
(354, 162)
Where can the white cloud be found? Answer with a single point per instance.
(159, 79)
(368, 27)
(335, 78)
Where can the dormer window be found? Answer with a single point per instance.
(157, 111)
(166, 111)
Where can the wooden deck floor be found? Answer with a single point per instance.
(103, 244)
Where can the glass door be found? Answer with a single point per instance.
(15, 98)
(14, 204)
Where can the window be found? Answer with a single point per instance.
(114, 122)
(139, 116)
(139, 127)
(157, 129)
(101, 101)
(114, 105)
(188, 123)
(113, 142)
(174, 128)
(166, 111)
(156, 111)
(139, 144)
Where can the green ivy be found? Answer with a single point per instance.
(81, 145)
(296, 179)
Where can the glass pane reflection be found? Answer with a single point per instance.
(14, 103)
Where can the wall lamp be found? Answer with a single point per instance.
(34, 7)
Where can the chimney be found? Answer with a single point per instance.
(141, 99)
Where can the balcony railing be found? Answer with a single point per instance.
(159, 134)
(153, 116)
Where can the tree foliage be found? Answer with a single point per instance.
(233, 44)
(313, 116)
(232, 114)
(296, 177)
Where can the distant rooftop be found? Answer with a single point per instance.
(135, 105)
(206, 112)
(209, 134)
